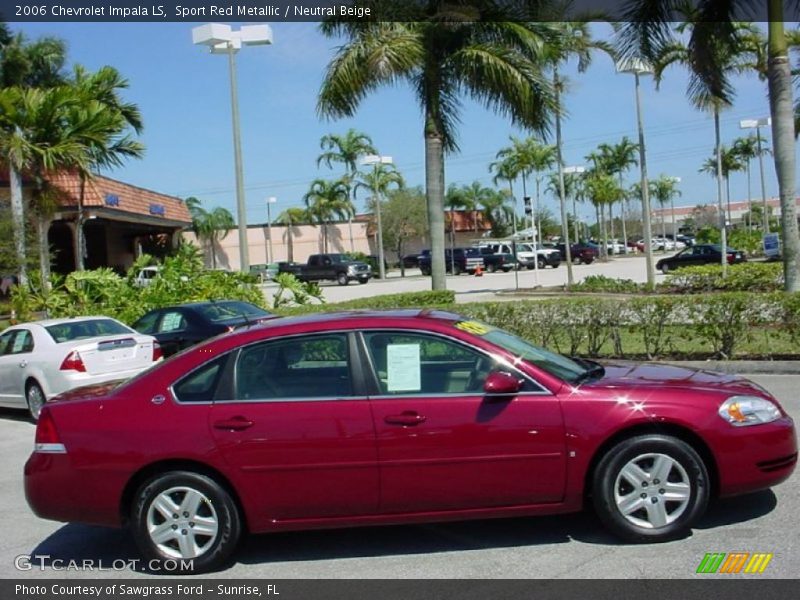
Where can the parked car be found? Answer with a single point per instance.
(527, 256)
(497, 261)
(146, 275)
(456, 260)
(334, 267)
(700, 254)
(178, 327)
(546, 256)
(265, 272)
(41, 359)
(336, 420)
(410, 261)
(581, 252)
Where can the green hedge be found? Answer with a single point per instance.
(426, 299)
(744, 277)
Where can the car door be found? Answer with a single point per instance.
(17, 349)
(442, 444)
(298, 428)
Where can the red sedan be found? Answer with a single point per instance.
(370, 418)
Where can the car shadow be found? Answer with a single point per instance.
(739, 509)
(16, 414)
(109, 547)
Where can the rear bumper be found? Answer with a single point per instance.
(757, 457)
(51, 491)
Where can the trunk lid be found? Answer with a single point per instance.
(111, 354)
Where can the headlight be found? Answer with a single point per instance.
(351, 270)
(748, 410)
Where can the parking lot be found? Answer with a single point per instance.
(572, 546)
(469, 288)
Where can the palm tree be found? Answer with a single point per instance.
(346, 149)
(715, 38)
(470, 198)
(602, 189)
(212, 227)
(618, 159)
(292, 217)
(664, 190)
(507, 170)
(443, 50)
(325, 201)
(378, 180)
(574, 40)
(730, 162)
(23, 64)
(746, 150)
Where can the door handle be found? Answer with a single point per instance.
(406, 418)
(23, 364)
(234, 424)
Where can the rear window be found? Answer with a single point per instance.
(79, 330)
(222, 311)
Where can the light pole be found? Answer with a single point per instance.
(270, 256)
(222, 39)
(757, 124)
(576, 170)
(375, 160)
(637, 68)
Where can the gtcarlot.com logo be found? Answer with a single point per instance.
(734, 562)
(41, 562)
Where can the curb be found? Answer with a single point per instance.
(737, 367)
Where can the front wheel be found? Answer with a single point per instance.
(35, 398)
(185, 516)
(650, 488)
(342, 279)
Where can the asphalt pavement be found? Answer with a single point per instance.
(573, 546)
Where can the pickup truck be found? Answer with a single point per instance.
(456, 261)
(332, 267)
(526, 256)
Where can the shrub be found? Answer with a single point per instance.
(429, 299)
(744, 277)
(601, 283)
(651, 317)
(724, 320)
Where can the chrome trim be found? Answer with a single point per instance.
(452, 395)
(50, 448)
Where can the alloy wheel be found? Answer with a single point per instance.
(182, 522)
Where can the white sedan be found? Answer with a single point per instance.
(42, 359)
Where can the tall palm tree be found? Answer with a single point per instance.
(325, 201)
(714, 38)
(618, 159)
(746, 150)
(507, 170)
(602, 189)
(378, 180)
(664, 190)
(729, 161)
(443, 50)
(291, 217)
(212, 227)
(346, 149)
(23, 64)
(574, 40)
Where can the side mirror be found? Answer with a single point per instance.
(501, 383)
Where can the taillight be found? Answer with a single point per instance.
(158, 354)
(47, 439)
(73, 362)
(731, 258)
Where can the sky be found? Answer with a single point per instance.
(184, 95)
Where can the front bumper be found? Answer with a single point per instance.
(757, 457)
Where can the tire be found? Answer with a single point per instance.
(363, 281)
(35, 399)
(540, 262)
(342, 279)
(506, 269)
(492, 268)
(216, 507)
(425, 271)
(665, 268)
(650, 519)
(456, 270)
(555, 265)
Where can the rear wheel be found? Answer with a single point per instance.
(541, 263)
(456, 270)
(650, 488)
(186, 516)
(35, 398)
(492, 268)
(665, 268)
(425, 270)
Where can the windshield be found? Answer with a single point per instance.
(555, 364)
(79, 330)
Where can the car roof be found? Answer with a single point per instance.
(48, 322)
(348, 316)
